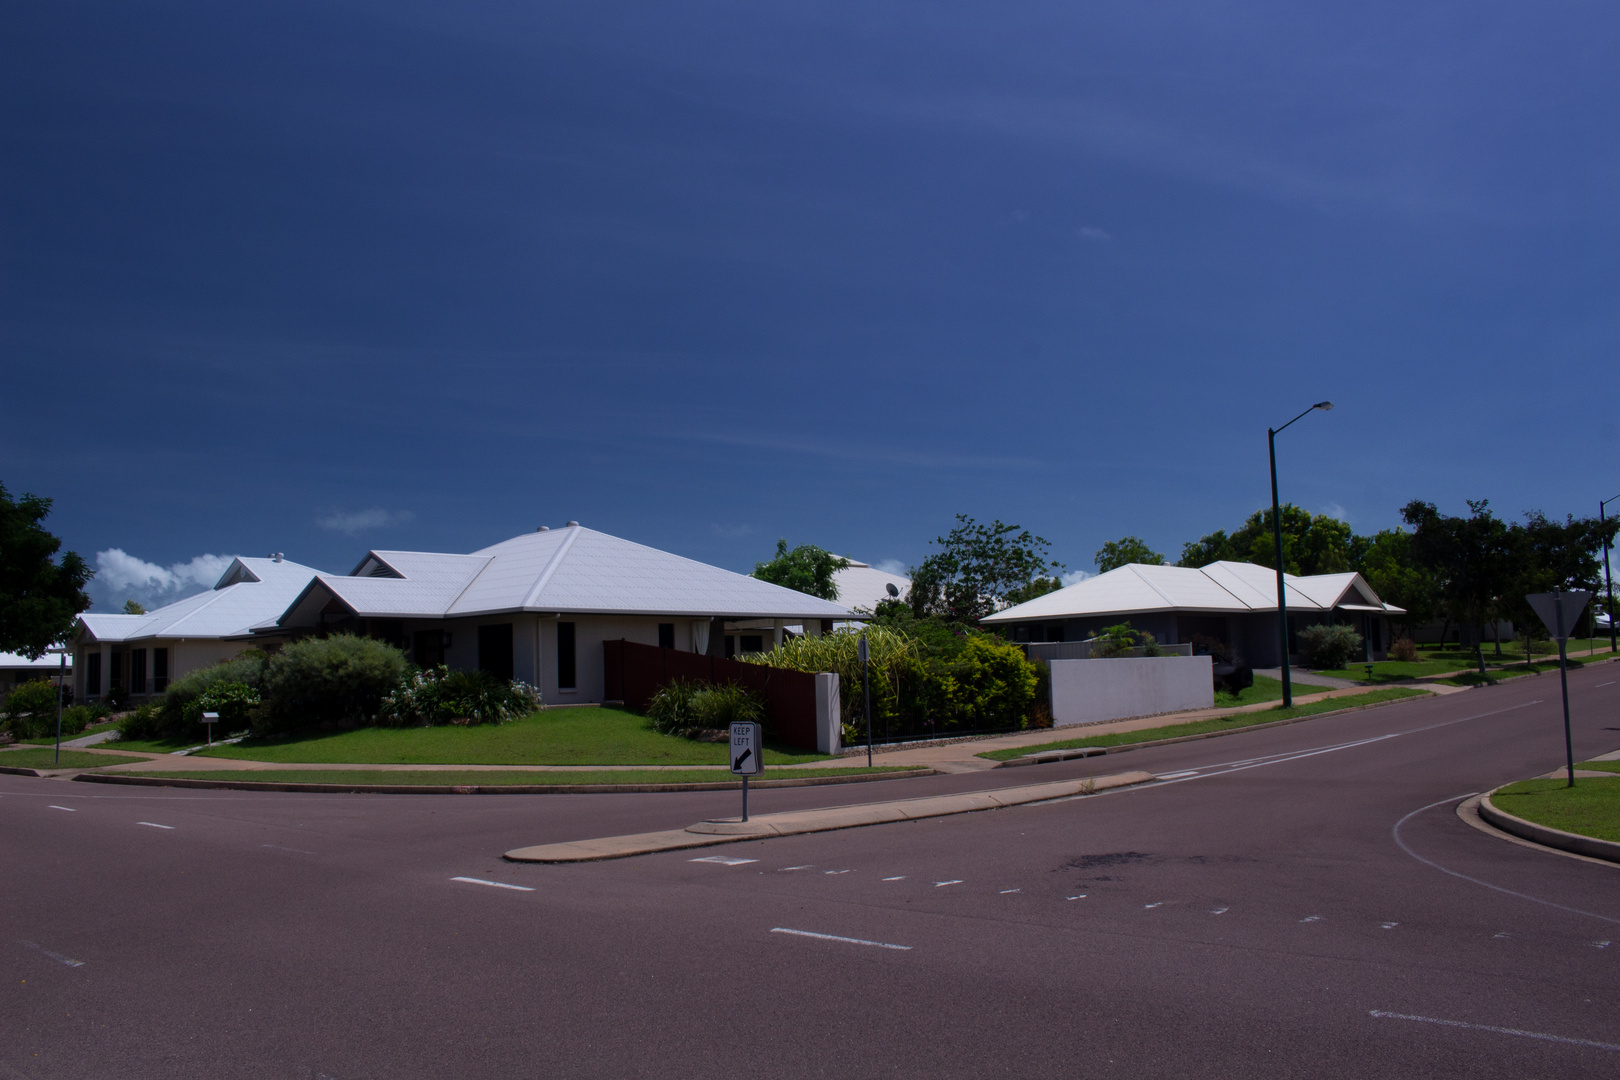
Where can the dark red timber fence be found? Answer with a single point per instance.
(635, 672)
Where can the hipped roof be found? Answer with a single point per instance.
(250, 592)
(1219, 588)
(567, 570)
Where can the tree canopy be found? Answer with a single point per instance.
(1312, 543)
(39, 595)
(807, 569)
(980, 569)
(1124, 551)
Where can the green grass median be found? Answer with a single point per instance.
(43, 758)
(503, 778)
(1236, 722)
(1590, 808)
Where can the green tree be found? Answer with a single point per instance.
(807, 569)
(1474, 559)
(977, 569)
(134, 607)
(39, 595)
(1386, 561)
(1124, 551)
(1312, 543)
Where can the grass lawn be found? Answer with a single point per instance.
(1437, 661)
(1199, 727)
(1264, 689)
(490, 779)
(93, 729)
(1591, 807)
(42, 758)
(1600, 766)
(598, 736)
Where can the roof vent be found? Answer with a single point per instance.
(543, 528)
(573, 525)
(275, 556)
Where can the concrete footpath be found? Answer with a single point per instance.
(709, 833)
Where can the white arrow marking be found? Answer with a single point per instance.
(493, 884)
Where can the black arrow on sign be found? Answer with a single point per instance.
(735, 765)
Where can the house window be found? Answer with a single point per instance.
(666, 635)
(752, 643)
(92, 674)
(115, 674)
(731, 646)
(160, 670)
(565, 656)
(137, 671)
(495, 650)
(428, 645)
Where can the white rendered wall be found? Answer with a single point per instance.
(1091, 691)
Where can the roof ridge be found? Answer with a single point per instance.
(1132, 567)
(551, 567)
(1223, 588)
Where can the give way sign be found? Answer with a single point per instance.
(1559, 610)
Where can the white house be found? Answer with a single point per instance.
(863, 586)
(537, 607)
(140, 654)
(1234, 603)
(16, 668)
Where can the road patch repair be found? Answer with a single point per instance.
(792, 823)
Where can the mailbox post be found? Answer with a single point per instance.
(209, 719)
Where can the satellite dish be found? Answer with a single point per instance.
(893, 592)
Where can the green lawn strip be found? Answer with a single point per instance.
(550, 737)
(1600, 766)
(1264, 689)
(94, 729)
(1199, 727)
(43, 758)
(1590, 808)
(503, 778)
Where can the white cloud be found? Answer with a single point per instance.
(121, 576)
(1091, 232)
(355, 522)
(1075, 577)
(1334, 510)
(891, 566)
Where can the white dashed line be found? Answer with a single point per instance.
(835, 937)
(1004, 892)
(902, 877)
(278, 847)
(154, 825)
(1220, 910)
(1601, 944)
(723, 860)
(1145, 907)
(785, 869)
(1178, 775)
(942, 884)
(58, 957)
(1311, 918)
(69, 809)
(1389, 925)
(1082, 896)
(1498, 1030)
(493, 884)
(1601, 685)
(837, 871)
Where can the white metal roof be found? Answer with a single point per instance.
(572, 569)
(10, 661)
(250, 592)
(863, 586)
(1232, 587)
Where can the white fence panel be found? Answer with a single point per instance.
(1092, 691)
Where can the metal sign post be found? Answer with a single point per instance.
(210, 719)
(61, 677)
(865, 655)
(1559, 610)
(747, 754)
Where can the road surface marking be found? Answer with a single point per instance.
(1601, 944)
(278, 847)
(723, 860)
(493, 884)
(1499, 1030)
(58, 957)
(1147, 906)
(1603, 684)
(1082, 896)
(785, 869)
(69, 809)
(1220, 911)
(154, 825)
(942, 884)
(902, 877)
(1389, 925)
(835, 937)
(1311, 918)
(1004, 892)
(1178, 775)
(837, 871)
(1395, 832)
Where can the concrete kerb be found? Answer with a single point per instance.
(485, 789)
(709, 833)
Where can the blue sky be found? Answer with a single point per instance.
(316, 278)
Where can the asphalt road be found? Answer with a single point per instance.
(1301, 901)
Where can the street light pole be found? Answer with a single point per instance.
(1276, 535)
(1608, 581)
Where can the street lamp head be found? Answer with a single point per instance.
(1325, 406)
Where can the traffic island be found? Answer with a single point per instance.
(709, 833)
(1583, 820)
